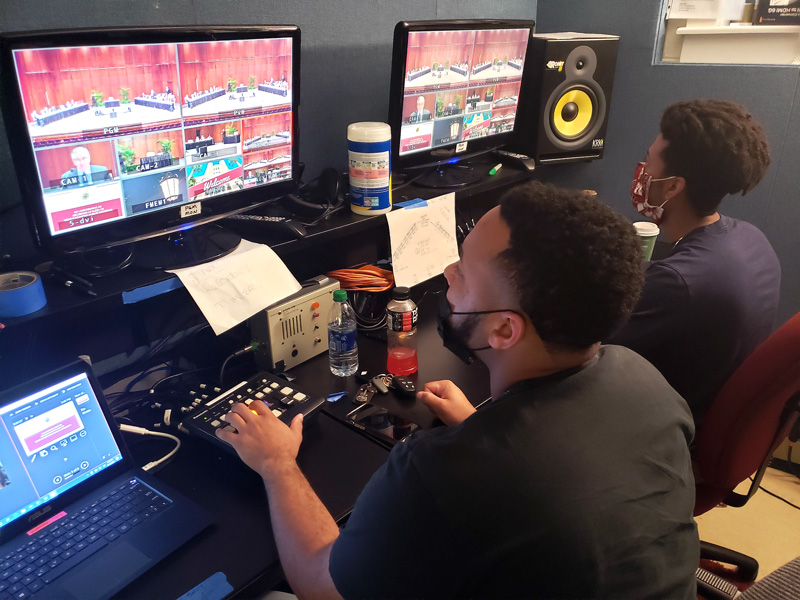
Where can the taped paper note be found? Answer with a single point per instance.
(423, 239)
(235, 287)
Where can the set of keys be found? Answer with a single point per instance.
(380, 384)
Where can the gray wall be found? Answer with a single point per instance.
(643, 90)
(346, 58)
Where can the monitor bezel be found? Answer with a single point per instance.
(152, 224)
(443, 154)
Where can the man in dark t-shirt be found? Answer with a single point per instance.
(575, 482)
(707, 306)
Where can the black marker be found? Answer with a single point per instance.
(72, 284)
(71, 276)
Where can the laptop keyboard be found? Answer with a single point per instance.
(59, 547)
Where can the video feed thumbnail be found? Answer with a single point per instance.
(506, 94)
(79, 207)
(266, 166)
(418, 109)
(87, 92)
(480, 98)
(269, 131)
(77, 166)
(450, 102)
(447, 131)
(438, 58)
(212, 178)
(150, 152)
(416, 137)
(502, 120)
(215, 140)
(477, 125)
(153, 191)
(498, 53)
(235, 78)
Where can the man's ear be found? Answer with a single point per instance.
(675, 187)
(508, 329)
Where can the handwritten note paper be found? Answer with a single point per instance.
(237, 286)
(423, 239)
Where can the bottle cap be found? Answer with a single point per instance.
(339, 295)
(401, 293)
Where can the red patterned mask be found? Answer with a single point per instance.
(640, 189)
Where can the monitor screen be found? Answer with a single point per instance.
(125, 132)
(456, 85)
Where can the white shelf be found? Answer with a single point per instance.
(742, 44)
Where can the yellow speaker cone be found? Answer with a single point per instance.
(572, 113)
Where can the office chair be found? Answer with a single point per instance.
(749, 418)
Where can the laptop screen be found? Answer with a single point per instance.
(51, 441)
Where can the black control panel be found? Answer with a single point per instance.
(284, 399)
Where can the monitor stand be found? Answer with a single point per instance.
(450, 175)
(185, 248)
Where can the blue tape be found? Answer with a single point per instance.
(21, 293)
(215, 587)
(415, 203)
(149, 291)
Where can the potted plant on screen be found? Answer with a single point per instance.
(252, 85)
(166, 146)
(125, 95)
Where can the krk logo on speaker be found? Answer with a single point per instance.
(597, 143)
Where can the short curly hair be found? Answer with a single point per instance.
(574, 263)
(717, 147)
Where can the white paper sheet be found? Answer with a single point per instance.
(423, 240)
(235, 287)
(729, 10)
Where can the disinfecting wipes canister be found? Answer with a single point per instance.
(370, 147)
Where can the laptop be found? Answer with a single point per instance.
(77, 518)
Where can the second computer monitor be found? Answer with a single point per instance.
(455, 87)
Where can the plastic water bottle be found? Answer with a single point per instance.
(401, 334)
(342, 336)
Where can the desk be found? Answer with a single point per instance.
(163, 105)
(62, 113)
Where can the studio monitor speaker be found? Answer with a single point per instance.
(564, 101)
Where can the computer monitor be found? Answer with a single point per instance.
(455, 89)
(124, 135)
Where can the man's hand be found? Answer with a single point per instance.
(446, 401)
(263, 442)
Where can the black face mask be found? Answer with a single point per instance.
(453, 339)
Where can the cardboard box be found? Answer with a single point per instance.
(777, 12)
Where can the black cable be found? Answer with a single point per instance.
(774, 495)
(411, 180)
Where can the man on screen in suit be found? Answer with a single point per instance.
(421, 114)
(83, 173)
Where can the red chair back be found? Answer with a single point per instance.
(744, 424)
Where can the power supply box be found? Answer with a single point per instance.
(296, 328)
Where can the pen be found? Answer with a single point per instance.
(70, 276)
(496, 168)
(73, 285)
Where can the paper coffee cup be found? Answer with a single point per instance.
(647, 232)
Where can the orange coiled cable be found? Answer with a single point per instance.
(368, 278)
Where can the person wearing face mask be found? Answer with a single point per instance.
(707, 305)
(575, 481)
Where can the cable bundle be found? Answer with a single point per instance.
(367, 278)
